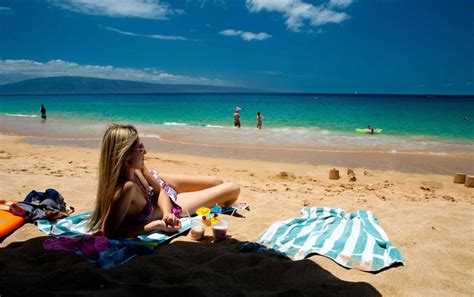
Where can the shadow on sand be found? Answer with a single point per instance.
(176, 269)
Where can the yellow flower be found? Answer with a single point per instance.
(203, 211)
(214, 220)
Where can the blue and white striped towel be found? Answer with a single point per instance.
(119, 251)
(77, 225)
(353, 240)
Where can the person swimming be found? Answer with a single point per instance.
(370, 129)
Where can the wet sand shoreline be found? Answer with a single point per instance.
(84, 134)
(403, 162)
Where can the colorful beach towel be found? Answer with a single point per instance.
(72, 235)
(354, 240)
(76, 225)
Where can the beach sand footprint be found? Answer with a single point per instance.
(286, 175)
(174, 162)
(432, 184)
(449, 198)
(5, 155)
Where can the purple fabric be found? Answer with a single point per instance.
(147, 210)
(90, 245)
(175, 208)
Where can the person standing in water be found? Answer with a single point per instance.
(237, 117)
(43, 112)
(259, 120)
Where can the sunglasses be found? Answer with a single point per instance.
(140, 148)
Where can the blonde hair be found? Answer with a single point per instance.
(117, 143)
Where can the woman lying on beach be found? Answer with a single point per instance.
(132, 199)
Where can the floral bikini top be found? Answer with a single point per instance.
(175, 208)
(145, 215)
(147, 210)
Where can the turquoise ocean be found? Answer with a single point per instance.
(433, 123)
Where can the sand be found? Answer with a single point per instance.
(427, 216)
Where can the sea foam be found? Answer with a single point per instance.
(150, 135)
(174, 124)
(21, 115)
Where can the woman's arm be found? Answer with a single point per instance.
(120, 206)
(134, 230)
(164, 203)
(118, 210)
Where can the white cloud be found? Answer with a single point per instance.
(33, 69)
(297, 12)
(230, 32)
(4, 9)
(248, 36)
(270, 5)
(340, 3)
(203, 3)
(154, 36)
(151, 9)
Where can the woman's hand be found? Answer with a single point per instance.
(162, 226)
(172, 221)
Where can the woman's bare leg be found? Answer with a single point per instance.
(190, 183)
(196, 191)
(224, 194)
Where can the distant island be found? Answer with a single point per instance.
(78, 85)
(89, 85)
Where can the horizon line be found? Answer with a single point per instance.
(291, 93)
(251, 90)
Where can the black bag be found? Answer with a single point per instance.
(48, 205)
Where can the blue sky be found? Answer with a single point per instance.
(338, 46)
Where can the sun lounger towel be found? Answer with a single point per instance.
(353, 240)
(73, 235)
(77, 225)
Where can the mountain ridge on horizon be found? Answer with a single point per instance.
(82, 85)
(91, 85)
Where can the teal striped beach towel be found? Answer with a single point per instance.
(118, 251)
(77, 225)
(354, 240)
